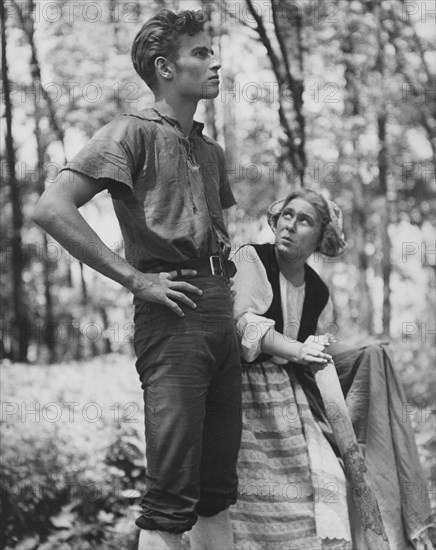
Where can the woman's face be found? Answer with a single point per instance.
(298, 230)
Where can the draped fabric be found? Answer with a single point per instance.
(377, 406)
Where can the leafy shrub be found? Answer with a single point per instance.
(50, 490)
(69, 484)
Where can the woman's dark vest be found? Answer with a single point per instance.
(315, 299)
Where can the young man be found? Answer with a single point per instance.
(169, 186)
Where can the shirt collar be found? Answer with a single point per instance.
(155, 116)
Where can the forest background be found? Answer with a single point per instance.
(336, 95)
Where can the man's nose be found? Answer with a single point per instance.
(215, 63)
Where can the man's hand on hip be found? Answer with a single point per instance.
(161, 288)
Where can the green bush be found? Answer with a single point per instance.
(71, 482)
(50, 493)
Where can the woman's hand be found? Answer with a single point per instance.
(423, 542)
(312, 350)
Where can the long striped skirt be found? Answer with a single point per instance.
(292, 489)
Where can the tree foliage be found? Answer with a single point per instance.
(336, 96)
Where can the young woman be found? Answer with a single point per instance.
(293, 491)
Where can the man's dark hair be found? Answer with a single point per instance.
(159, 36)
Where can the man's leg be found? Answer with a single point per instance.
(221, 441)
(175, 379)
(191, 378)
(158, 540)
(213, 533)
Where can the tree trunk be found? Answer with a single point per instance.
(107, 345)
(386, 266)
(83, 287)
(287, 65)
(210, 109)
(289, 35)
(28, 27)
(403, 44)
(35, 70)
(114, 25)
(230, 141)
(20, 332)
(383, 191)
(210, 118)
(360, 237)
(360, 201)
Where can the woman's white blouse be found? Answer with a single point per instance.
(253, 297)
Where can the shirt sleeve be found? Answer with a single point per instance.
(116, 154)
(227, 198)
(253, 297)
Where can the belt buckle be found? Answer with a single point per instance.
(216, 265)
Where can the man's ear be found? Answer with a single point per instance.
(163, 67)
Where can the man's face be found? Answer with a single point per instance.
(195, 72)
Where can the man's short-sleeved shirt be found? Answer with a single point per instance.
(168, 190)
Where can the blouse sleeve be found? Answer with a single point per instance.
(325, 321)
(253, 297)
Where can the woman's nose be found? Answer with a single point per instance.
(291, 225)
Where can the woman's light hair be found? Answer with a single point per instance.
(329, 214)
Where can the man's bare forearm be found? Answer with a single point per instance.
(57, 212)
(68, 227)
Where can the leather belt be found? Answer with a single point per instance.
(211, 265)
